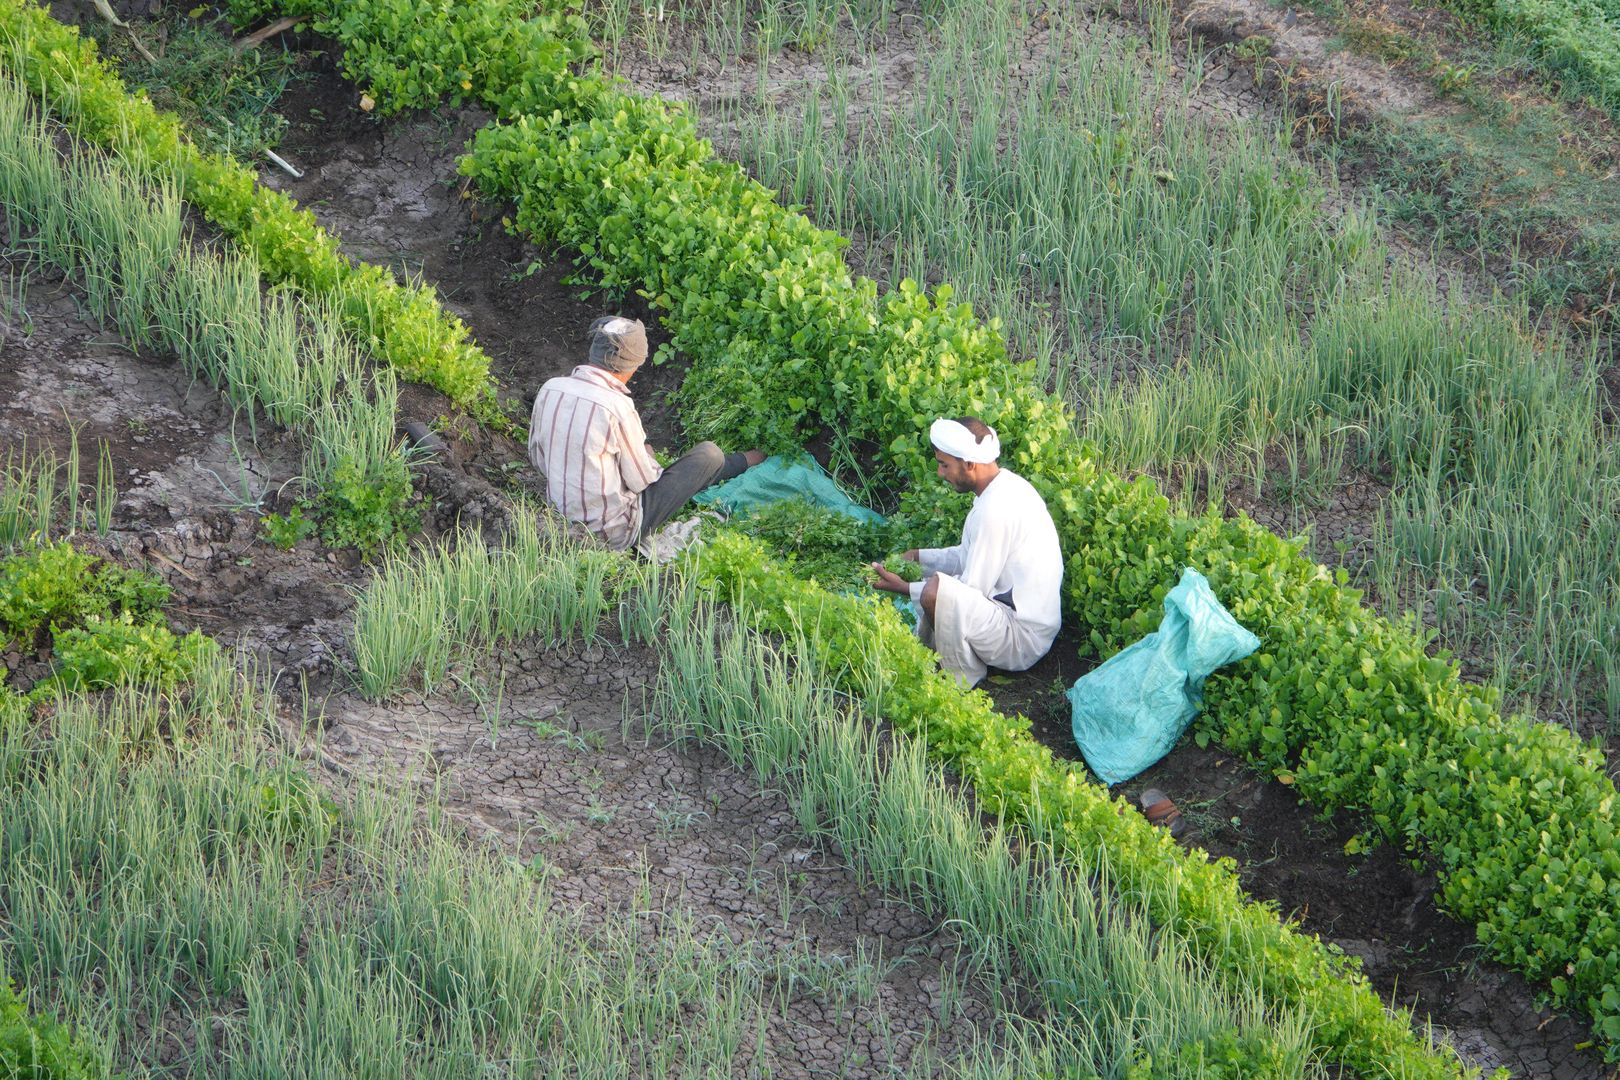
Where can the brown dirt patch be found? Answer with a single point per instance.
(177, 447)
(568, 771)
(390, 192)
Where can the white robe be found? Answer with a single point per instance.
(999, 599)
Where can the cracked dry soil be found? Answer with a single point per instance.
(570, 772)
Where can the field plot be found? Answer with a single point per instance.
(589, 775)
(750, 952)
(1257, 352)
(642, 909)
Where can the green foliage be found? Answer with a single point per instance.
(1577, 39)
(38, 1048)
(753, 290)
(43, 587)
(369, 510)
(137, 593)
(758, 297)
(226, 97)
(118, 651)
(865, 649)
(409, 54)
(819, 544)
(904, 568)
(290, 807)
(55, 587)
(243, 13)
(103, 621)
(286, 530)
(515, 56)
(1227, 1055)
(402, 324)
(783, 337)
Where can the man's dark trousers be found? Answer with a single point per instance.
(699, 467)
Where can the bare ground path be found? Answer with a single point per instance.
(570, 773)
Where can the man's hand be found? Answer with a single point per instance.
(889, 581)
(753, 457)
(913, 555)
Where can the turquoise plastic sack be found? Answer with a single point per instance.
(778, 478)
(1131, 710)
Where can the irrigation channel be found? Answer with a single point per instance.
(542, 756)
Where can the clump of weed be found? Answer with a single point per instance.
(370, 510)
(286, 530)
(226, 97)
(367, 509)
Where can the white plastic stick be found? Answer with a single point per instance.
(279, 160)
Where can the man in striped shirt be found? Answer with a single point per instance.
(586, 437)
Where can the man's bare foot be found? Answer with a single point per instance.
(753, 457)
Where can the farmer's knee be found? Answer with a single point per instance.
(709, 454)
(929, 593)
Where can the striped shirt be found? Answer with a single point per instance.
(586, 437)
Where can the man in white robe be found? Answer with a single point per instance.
(994, 599)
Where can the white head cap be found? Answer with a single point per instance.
(953, 437)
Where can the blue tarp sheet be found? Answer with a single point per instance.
(778, 478)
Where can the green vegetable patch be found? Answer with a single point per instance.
(1518, 815)
(818, 544)
(101, 623)
(37, 1046)
(863, 647)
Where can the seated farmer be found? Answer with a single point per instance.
(993, 599)
(586, 437)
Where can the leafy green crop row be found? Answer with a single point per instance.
(513, 55)
(403, 324)
(779, 331)
(783, 337)
(819, 544)
(39, 1047)
(861, 644)
(54, 586)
